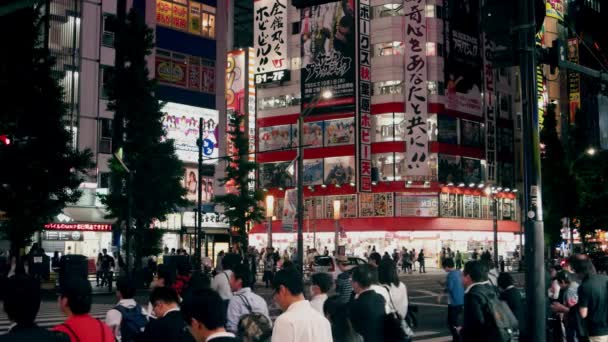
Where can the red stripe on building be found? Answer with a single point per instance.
(456, 150)
(388, 146)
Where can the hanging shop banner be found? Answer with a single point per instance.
(416, 110)
(541, 88)
(363, 102)
(340, 132)
(489, 109)
(289, 210)
(339, 170)
(275, 175)
(348, 207)
(574, 79)
(181, 124)
(274, 138)
(191, 186)
(194, 21)
(328, 57)
(163, 13)
(270, 42)
(555, 9)
(416, 205)
(194, 76)
(376, 204)
(463, 64)
(179, 17)
(235, 81)
(313, 171)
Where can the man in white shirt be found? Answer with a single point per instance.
(321, 284)
(299, 322)
(244, 301)
(202, 313)
(125, 292)
(221, 281)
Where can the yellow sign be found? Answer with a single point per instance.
(180, 17)
(555, 9)
(163, 12)
(194, 22)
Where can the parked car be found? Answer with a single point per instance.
(327, 264)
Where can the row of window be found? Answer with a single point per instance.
(191, 72)
(480, 207)
(187, 16)
(397, 48)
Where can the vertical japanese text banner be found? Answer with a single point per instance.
(574, 79)
(489, 108)
(363, 81)
(416, 110)
(270, 40)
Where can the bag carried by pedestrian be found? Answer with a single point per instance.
(396, 328)
(501, 318)
(132, 324)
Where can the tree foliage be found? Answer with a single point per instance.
(242, 205)
(40, 171)
(137, 129)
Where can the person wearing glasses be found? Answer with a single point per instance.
(169, 325)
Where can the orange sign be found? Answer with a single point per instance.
(163, 12)
(180, 17)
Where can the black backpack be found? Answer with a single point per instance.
(132, 324)
(501, 319)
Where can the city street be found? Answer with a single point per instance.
(423, 290)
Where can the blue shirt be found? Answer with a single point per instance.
(454, 288)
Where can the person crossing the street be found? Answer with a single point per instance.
(127, 319)
(244, 301)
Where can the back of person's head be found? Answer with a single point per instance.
(323, 281)
(126, 287)
(183, 267)
(376, 258)
(337, 314)
(78, 293)
(164, 273)
(504, 280)
(290, 279)
(254, 327)
(564, 277)
(164, 294)
(583, 267)
(387, 273)
(365, 275)
(242, 272)
(476, 270)
(448, 263)
(207, 307)
(22, 299)
(230, 261)
(287, 264)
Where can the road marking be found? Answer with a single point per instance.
(435, 339)
(424, 333)
(427, 292)
(430, 304)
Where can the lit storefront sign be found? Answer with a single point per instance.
(364, 98)
(63, 236)
(91, 227)
(270, 44)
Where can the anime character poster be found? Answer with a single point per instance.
(339, 170)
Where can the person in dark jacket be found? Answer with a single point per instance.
(169, 325)
(205, 315)
(21, 304)
(511, 295)
(477, 325)
(367, 309)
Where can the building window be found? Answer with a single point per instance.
(188, 16)
(388, 87)
(106, 74)
(383, 167)
(109, 30)
(450, 205)
(280, 101)
(389, 49)
(431, 49)
(388, 127)
(295, 27)
(388, 10)
(104, 180)
(191, 72)
(429, 11)
(105, 136)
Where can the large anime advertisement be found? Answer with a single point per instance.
(463, 67)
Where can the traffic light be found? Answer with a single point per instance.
(5, 140)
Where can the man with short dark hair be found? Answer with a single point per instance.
(478, 289)
(321, 284)
(205, 315)
(592, 300)
(299, 322)
(21, 304)
(244, 301)
(455, 294)
(75, 302)
(367, 310)
(169, 325)
(127, 306)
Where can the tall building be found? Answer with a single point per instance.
(413, 171)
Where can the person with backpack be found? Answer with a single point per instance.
(169, 325)
(244, 301)
(127, 319)
(75, 297)
(486, 318)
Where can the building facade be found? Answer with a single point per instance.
(442, 129)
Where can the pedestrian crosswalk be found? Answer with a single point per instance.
(50, 315)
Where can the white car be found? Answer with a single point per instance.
(327, 264)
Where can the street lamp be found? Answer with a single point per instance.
(591, 151)
(492, 195)
(337, 206)
(269, 213)
(325, 94)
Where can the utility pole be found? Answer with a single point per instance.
(534, 248)
(199, 186)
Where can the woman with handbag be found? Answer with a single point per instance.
(397, 329)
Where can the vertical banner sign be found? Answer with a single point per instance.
(540, 83)
(236, 78)
(270, 42)
(489, 108)
(194, 21)
(180, 17)
(194, 74)
(328, 57)
(416, 111)
(463, 62)
(555, 9)
(251, 113)
(574, 79)
(364, 150)
(289, 210)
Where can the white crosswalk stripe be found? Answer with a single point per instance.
(49, 315)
